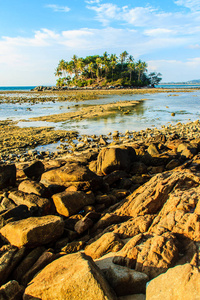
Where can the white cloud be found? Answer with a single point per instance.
(58, 8)
(92, 1)
(194, 5)
(159, 32)
(106, 12)
(176, 70)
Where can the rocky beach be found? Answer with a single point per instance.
(113, 216)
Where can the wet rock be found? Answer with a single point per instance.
(78, 278)
(7, 175)
(109, 242)
(70, 203)
(111, 159)
(33, 231)
(180, 282)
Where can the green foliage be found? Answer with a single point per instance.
(105, 70)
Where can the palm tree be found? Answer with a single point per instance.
(74, 65)
(131, 68)
(141, 68)
(113, 59)
(99, 67)
(123, 57)
(91, 68)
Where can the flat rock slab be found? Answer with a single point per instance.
(33, 231)
(73, 276)
(72, 174)
(180, 283)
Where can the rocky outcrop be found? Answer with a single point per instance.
(136, 220)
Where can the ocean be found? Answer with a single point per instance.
(165, 86)
(16, 88)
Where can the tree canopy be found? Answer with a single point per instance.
(105, 70)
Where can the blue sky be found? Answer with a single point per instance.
(35, 35)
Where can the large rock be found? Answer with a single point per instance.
(7, 175)
(180, 283)
(33, 231)
(72, 276)
(32, 201)
(70, 203)
(72, 174)
(109, 242)
(34, 170)
(151, 255)
(111, 159)
(152, 196)
(32, 187)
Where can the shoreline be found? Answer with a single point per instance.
(15, 142)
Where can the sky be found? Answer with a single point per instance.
(36, 34)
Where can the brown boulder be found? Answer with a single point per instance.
(34, 170)
(33, 231)
(73, 276)
(70, 203)
(180, 283)
(72, 174)
(111, 159)
(32, 187)
(32, 201)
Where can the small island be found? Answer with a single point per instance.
(105, 70)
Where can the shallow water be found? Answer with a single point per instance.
(155, 110)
